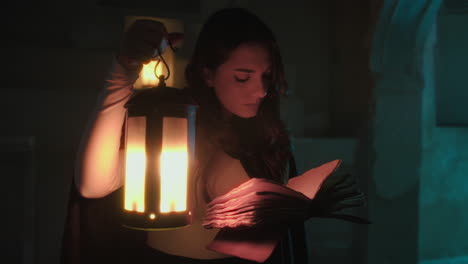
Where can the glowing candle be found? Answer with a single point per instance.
(135, 165)
(173, 165)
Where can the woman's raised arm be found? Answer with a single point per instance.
(98, 166)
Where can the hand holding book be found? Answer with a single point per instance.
(316, 193)
(255, 202)
(253, 216)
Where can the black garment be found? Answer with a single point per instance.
(152, 256)
(292, 249)
(93, 235)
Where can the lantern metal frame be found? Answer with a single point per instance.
(156, 104)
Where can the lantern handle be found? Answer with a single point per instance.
(171, 39)
(162, 78)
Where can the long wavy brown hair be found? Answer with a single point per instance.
(261, 143)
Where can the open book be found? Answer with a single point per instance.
(242, 212)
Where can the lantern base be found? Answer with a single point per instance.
(153, 222)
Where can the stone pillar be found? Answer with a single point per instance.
(398, 48)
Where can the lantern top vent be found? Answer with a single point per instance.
(161, 95)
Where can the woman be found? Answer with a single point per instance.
(236, 76)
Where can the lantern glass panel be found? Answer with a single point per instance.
(135, 164)
(174, 165)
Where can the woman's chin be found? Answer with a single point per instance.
(246, 115)
(242, 113)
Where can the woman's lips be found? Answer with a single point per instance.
(253, 107)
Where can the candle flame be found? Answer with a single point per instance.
(174, 166)
(135, 165)
(174, 180)
(147, 76)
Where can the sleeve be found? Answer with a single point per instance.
(98, 161)
(296, 233)
(292, 249)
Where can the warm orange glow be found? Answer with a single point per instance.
(152, 216)
(147, 77)
(176, 65)
(174, 165)
(135, 165)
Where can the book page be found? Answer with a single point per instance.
(310, 181)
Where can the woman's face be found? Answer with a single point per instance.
(241, 82)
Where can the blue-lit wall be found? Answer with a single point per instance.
(443, 214)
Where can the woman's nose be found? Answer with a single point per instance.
(259, 89)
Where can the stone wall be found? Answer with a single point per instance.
(443, 196)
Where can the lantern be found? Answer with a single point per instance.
(159, 155)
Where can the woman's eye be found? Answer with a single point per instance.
(241, 79)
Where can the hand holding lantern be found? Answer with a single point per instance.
(144, 41)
